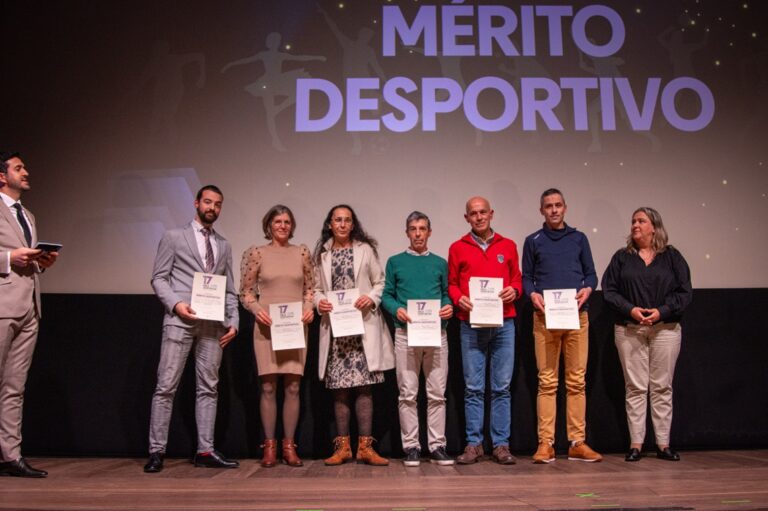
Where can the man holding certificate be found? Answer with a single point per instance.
(184, 252)
(559, 276)
(483, 282)
(416, 295)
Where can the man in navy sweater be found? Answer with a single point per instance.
(558, 257)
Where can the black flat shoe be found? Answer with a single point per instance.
(667, 454)
(155, 463)
(633, 455)
(214, 459)
(20, 468)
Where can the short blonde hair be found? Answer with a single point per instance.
(660, 239)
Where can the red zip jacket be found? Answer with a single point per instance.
(466, 259)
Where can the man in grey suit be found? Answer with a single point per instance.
(184, 251)
(20, 266)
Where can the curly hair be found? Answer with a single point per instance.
(357, 233)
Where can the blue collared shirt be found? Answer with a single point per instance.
(483, 244)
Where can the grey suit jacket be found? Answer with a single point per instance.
(20, 288)
(177, 261)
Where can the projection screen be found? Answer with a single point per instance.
(122, 110)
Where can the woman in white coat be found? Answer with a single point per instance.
(346, 258)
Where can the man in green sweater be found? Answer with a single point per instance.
(417, 274)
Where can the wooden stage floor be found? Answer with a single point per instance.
(735, 480)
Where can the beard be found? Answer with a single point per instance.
(207, 217)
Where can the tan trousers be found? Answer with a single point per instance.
(648, 356)
(18, 337)
(408, 364)
(574, 345)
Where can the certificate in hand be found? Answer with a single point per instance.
(487, 307)
(345, 318)
(208, 293)
(561, 311)
(425, 327)
(287, 330)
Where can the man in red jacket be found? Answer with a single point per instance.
(485, 253)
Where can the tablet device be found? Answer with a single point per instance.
(46, 246)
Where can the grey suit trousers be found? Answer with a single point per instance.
(18, 337)
(203, 338)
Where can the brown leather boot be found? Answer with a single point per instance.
(471, 454)
(366, 453)
(342, 452)
(289, 453)
(269, 458)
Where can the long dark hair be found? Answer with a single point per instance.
(357, 233)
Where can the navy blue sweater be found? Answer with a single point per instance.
(557, 259)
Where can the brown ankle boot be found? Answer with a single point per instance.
(342, 453)
(269, 458)
(289, 453)
(366, 453)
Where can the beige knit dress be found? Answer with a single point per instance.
(274, 274)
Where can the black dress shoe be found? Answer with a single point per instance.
(155, 463)
(633, 455)
(20, 468)
(214, 459)
(667, 454)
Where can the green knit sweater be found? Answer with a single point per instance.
(412, 277)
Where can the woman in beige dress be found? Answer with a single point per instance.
(278, 272)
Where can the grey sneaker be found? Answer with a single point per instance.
(412, 457)
(440, 457)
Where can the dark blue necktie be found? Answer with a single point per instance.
(24, 224)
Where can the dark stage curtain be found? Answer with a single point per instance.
(94, 372)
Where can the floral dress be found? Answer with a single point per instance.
(347, 366)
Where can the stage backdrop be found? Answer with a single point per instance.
(122, 110)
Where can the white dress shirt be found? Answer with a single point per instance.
(6, 266)
(200, 239)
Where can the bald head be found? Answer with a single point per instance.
(478, 201)
(479, 215)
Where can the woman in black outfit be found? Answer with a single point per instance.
(648, 284)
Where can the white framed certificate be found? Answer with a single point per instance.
(208, 296)
(287, 330)
(561, 311)
(487, 307)
(424, 330)
(345, 318)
